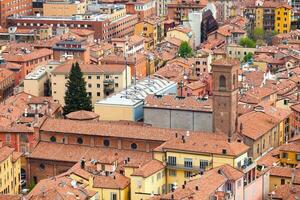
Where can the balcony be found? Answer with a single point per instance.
(182, 167)
(248, 165)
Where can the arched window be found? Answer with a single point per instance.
(79, 140)
(133, 146)
(222, 82)
(53, 139)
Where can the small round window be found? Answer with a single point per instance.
(42, 166)
(106, 143)
(133, 146)
(53, 139)
(80, 140)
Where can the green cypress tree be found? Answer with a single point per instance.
(76, 97)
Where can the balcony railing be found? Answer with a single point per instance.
(183, 167)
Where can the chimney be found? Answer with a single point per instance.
(176, 134)
(183, 186)
(172, 196)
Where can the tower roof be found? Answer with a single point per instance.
(226, 62)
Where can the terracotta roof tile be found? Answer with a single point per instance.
(74, 153)
(113, 181)
(255, 124)
(204, 143)
(5, 152)
(82, 115)
(148, 169)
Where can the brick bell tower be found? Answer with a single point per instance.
(225, 95)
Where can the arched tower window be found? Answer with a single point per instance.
(222, 82)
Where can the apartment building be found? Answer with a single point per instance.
(143, 9)
(273, 16)
(100, 80)
(188, 154)
(178, 10)
(27, 58)
(12, 8)
(72, 46)
(7, 82)
(104, 26)
(10, 165)
(37, 83)
(152, 30)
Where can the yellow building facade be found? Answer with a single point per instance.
(10, 169)
(259, 18)
(151, 30)
(283, 15)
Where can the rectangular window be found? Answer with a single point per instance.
(98, 94)
(172, 172)
(98, 77)
(89, 85)
(116, 84)
(297, 156)
(89, 77)
(7, 138)
(188, 163)
(282, 181)
(284, 155)
(113, 196)
(172, 160)
(158, 176)
(187, 174)
(98, 85)
(203, 164)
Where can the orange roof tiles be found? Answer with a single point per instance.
(287, 192)
(256, 95)
(148, 169)
(285, 172)
(204, 143)
(82, 115)
(292, 146)
(204, 187)
(74, 153)
(5, 152)
(113, 181)
(255, 124)
(28, 56)
(65, 68)
(59, 187)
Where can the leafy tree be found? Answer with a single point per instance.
(31, 186)
(258, 34)
(268, 36)
(185, 50)
(76, 97)
(247, 42)
(248, 57)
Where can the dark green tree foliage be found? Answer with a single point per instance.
(185, 51)
(76, 97)
(248, 57)
(247, 42)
